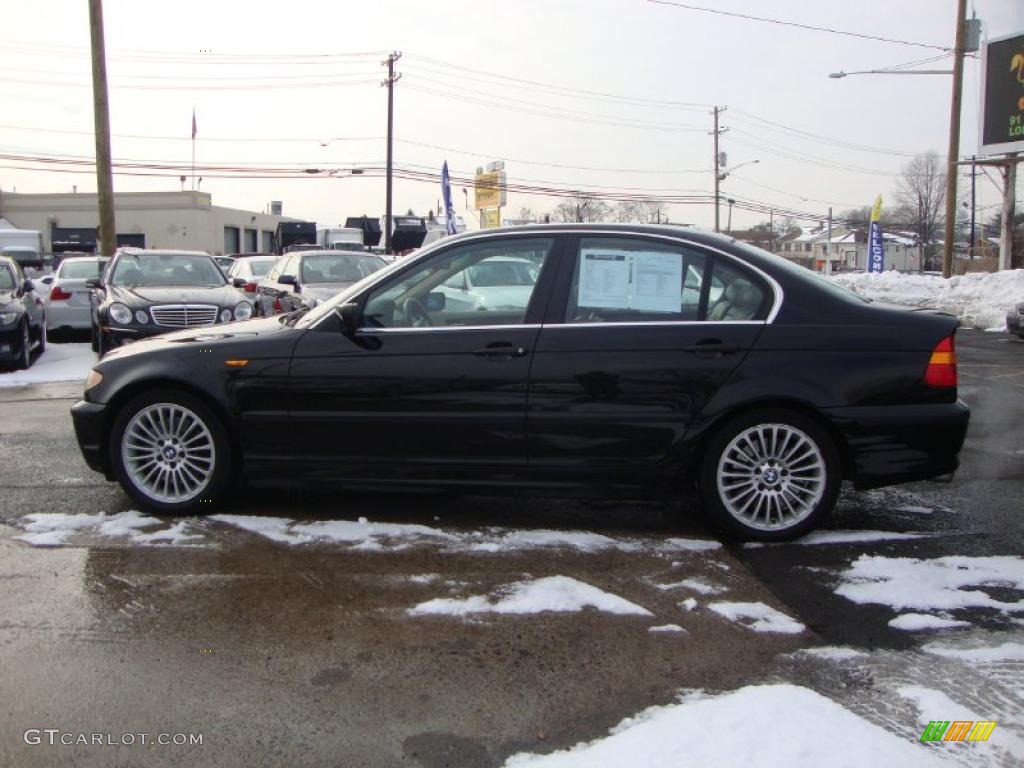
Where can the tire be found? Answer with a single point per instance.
(94, 339)
(102, 346)
(25, 348)
(170, 452)
(42, 337)
(784, 475)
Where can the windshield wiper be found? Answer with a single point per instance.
(293, 317)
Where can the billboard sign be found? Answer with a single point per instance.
(1002, 94)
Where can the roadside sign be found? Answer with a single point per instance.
(490, 218)
(489, 188)
(1002, 93)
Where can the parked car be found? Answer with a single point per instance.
(766, 387)
(1015, 320)
(251, 268)
(491, 284)
(144, 293)
(67, 303)
(304, 278)
(224, 262)
(22, 316)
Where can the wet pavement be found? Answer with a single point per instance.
(285, 636)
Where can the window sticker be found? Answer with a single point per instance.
(635, 280)
(604, 279)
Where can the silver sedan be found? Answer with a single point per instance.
(67, 298)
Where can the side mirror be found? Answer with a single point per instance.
(349, 316)
(94, 282)
(286, 279)
(48, 280)
(28, 286)
(434, 302)
(238, 282)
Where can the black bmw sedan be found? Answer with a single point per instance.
(641, 359)
(144, 293)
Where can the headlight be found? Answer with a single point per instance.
(141, 317)
(6, 318)
(243, 311)
(225, 316)
(94, 378)
(119, 313)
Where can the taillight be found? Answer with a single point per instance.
(250, 287)
(278, 308)
(58, 294)
(941, 370)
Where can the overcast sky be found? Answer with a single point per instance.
(331, 111)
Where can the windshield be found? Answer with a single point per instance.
(260, 267)
(491, 274)
(157, 269)
(338, 267)
(6, 279)
(81, 269)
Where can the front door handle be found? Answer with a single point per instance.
(712, 348)
(500, 350)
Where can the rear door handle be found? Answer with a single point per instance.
(712, 348)
(501, 349)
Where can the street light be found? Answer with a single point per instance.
(722, 176)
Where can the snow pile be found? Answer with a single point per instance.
(942, 584)
(769, 726)
(979, 299)
(60, 362)
(554, 593)
(51, 529)
(758, 617)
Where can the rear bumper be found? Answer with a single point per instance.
(90, 420)
(897, 444)
(58, 316)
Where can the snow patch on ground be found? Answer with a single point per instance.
(758, 617)
(699, 586)
(810, 731)
(854, 537)
(915, 510)
(915, 622)
(693, 545)
(52, 529)
(832, 653)
(688, 604)
(553, 593)
(1000, 653)
(581, 540)
(979, 300)
(60, 362)
(944, 583)
(666, 628)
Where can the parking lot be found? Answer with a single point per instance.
(387, 630)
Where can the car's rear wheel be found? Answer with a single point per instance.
(170, 452)
(770, 475)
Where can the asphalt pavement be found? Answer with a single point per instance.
(287, 632)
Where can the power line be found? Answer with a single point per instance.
(798, 25)
(253, 87)
(782, 128)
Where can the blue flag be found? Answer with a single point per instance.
(446, 195)
(876, 248)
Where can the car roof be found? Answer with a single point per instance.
(160, 251)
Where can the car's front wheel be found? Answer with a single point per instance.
(170, 452)
(770, 475)
(25, 347)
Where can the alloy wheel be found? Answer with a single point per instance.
(168, 452)
(771, 476)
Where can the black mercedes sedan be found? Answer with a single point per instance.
(146, 292)
(22, 316)
(641, 360)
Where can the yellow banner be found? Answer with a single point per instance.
(876, 210)
(487, 188)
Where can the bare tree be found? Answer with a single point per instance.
(640, 212)
(526, 213)
(921, 200)
(581, 207)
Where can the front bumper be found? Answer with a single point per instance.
(900, 443)
(90, 420)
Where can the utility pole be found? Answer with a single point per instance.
(101, 127)
(771, 230)
(1006, 260)
(717, 132)
(974, 208)
(828, 244)
(390, 83)
(954, 140)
